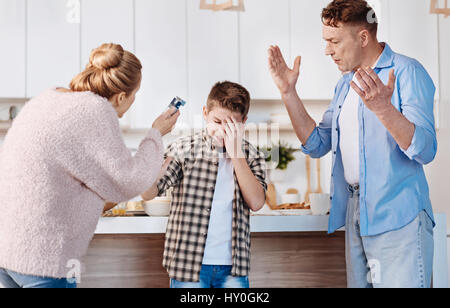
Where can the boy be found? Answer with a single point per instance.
(217, 178)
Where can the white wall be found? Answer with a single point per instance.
(438, 171)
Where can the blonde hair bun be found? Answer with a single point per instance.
(111, 70)
(106, 56)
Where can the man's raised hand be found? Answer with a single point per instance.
(373, 92)
(284, 77)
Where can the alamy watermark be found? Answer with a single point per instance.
(74, 273)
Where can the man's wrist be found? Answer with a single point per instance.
(289, 95)
(386, 113)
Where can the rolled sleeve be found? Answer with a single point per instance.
(174, 170)
(417, 93)
(170, 179)
(319, 142)
(313, 142)
(420, 150)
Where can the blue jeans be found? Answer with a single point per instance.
(213, 276)
(398, 259)
(10, 279)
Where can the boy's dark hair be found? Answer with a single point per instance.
(231, 96)
(354, 12)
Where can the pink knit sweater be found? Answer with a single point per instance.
(62, 159)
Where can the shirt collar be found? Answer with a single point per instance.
(385, 60)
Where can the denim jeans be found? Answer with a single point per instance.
(398, 259)
(213, 276)
(10, 279)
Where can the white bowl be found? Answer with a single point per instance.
(157, 207)
(290, 198)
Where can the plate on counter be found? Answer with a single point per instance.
(267, 211)
(298, 212)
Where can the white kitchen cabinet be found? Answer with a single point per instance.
(318, 73)
(53, 45)
(264, 23)
(213, 54)
(161, 47)
(381, 8)
(107, 21)
(12, 54)
(414, 33)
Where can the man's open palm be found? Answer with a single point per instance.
(284, 77)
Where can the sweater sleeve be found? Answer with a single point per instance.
(95, 153)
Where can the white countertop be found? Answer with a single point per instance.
(157, 225)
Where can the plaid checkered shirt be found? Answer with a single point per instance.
(192, 174)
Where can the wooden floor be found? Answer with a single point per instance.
(286, 260)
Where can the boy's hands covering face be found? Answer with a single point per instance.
(233, 136)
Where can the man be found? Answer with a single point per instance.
(380, 129)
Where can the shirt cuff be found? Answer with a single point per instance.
(155, 134)
(417, 144)
(312, 144)
(160, 187)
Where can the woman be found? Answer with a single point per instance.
(62, 159)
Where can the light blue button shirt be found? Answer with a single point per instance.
(394, 189)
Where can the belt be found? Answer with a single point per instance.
(353, 189)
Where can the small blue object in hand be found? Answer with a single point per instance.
(177, 103)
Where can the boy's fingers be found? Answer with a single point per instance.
(232, 124)
(226, 129)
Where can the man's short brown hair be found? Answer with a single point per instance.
(354, 12)
(231, 96)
